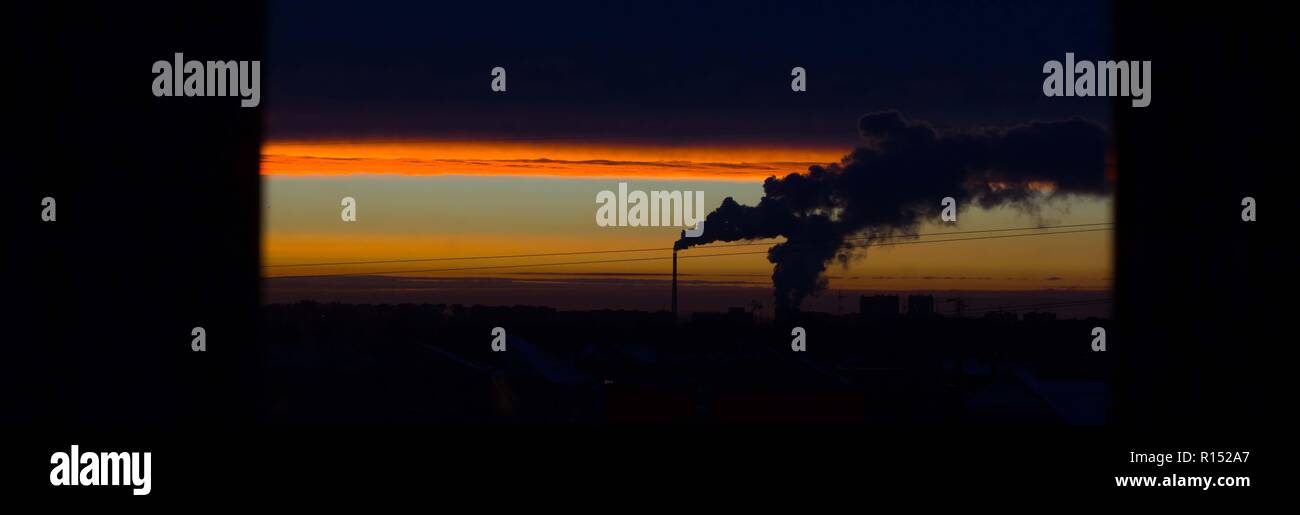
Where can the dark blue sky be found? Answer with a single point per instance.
(670, 71)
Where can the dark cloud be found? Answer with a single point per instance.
(896, 179)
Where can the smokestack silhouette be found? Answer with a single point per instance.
(895, 180)
(675, 280)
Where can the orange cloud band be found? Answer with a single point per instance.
(572, 160)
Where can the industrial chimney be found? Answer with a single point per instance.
(674, 286)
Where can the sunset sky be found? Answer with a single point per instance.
(398, 115)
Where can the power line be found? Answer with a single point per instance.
(468, 258)
(868, 238)
(525, 265)
(657, 258)
(617, 251)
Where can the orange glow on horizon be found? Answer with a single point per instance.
(480, 217)
(1005, 265)
(550, 159)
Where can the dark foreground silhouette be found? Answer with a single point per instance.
(343, 363)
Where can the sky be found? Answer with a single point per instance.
(390, 104)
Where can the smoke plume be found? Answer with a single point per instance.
(895, 180)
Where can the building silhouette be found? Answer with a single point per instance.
(734, 316)
(1039, 316)
(878, 306)
(920, 306)
(1000, 316)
